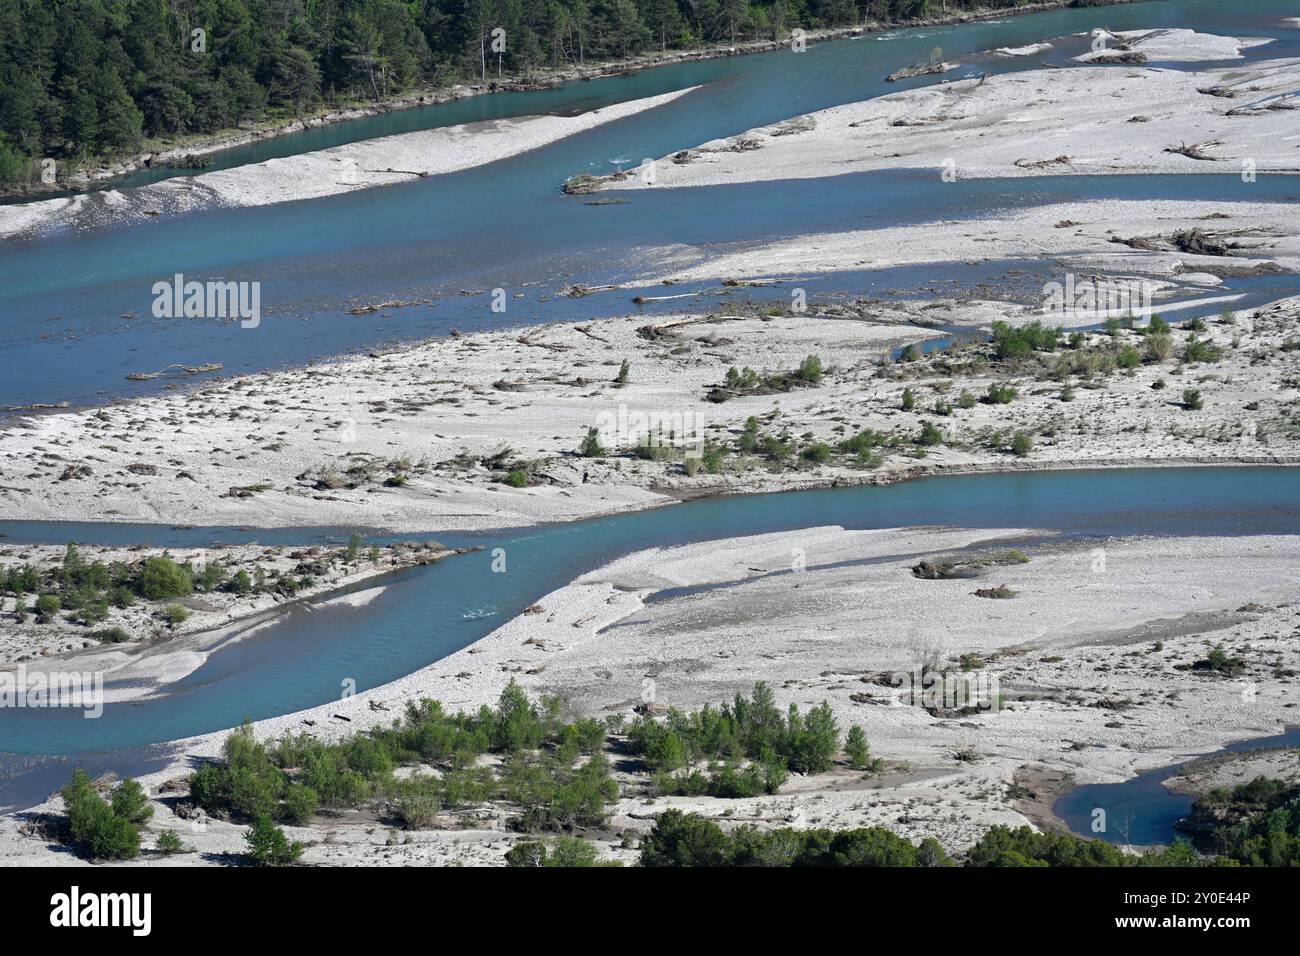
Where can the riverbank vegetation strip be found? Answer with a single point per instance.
(555, 781)
(84, 81)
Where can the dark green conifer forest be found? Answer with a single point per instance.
(96, 78)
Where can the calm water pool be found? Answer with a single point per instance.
(1141, 811)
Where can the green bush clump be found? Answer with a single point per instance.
(20, 580)
(1201, 350)
(1221, 661)
(417, 806)
(713, 458)
(47, 605)
(728, 780)
(741, 380)
(591, 446)
(1159, 346)
(517, 725)
(777, 448)
(517, 478)
(810, 370)
(749, 729)
(210, 578)
(1010, 342)
(246, 785)
(105, 829)
(654, 449)
(121, 597)
(162, 578)
(563, 851)
(1268, 837)
(92, 612)
(543, 775)
(563, 797)
(1023, 846)
(268, 846)
(864, 440)
(738, 381)
(1254, 824)
(169, 843)
(174, 614)
(929, 435)
(857, 750)
(1000, 394)
(817, 453)
(680, 839)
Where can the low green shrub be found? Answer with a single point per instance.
(268, 846)
(105, 829)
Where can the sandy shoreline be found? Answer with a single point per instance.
(371, 163)
(1080, 237)
(1080, 677)
(569, 646)
(1097, 648)
(404, 157)
(424, 438)
(135, 649)
(546, 78)
(1080, 121)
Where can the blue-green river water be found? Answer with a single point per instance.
(75, 315)
(427, 613)
(62, 337)
(1141, 811)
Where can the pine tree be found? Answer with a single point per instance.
(857, 749)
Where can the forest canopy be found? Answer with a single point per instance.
(96, 78)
